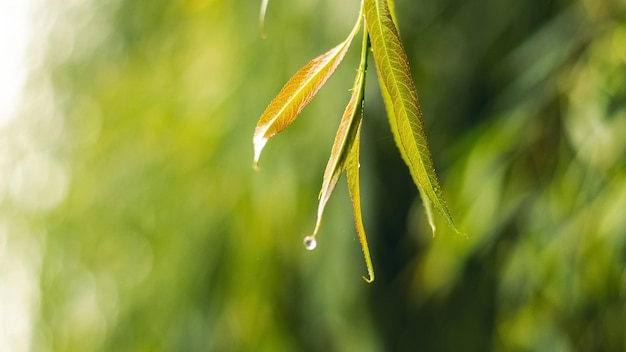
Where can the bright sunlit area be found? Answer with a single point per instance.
(132, 218)
(20, 251)
(15, 34)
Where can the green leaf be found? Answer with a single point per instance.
(344, 140)
(298, 92)
(403, 110)
(345, 154)
(352, 173)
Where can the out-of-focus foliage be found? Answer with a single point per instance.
(167, 239)
(136, 211)
(535, 93)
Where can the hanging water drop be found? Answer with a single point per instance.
(310, 243)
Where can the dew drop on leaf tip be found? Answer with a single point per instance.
(310, 243)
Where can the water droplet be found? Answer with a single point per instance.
(310, 243)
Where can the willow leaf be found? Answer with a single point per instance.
(345, 155)
(298, 92)
(352, 173)
(403, 110)
(344, 139)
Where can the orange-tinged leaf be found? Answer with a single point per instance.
(403, 110)
(297, 93)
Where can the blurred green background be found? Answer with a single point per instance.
(131, 218)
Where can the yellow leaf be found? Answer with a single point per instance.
(298, 92)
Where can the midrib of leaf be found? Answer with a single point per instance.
(298, 92)
(404, 113)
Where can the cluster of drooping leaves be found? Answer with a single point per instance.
(400, 96)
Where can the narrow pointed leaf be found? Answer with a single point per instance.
(345, 155)
(298, 92)
(344, 139)
(352, 173)
(352, 164)
(403, 110)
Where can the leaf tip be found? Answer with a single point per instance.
(431, 222)
(369, 279)
(259, 143)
